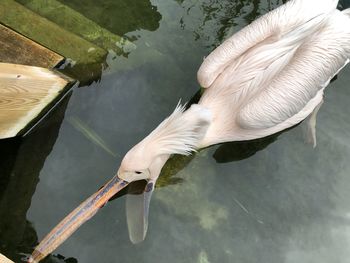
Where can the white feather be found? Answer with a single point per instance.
(181, 132)
(284, 18)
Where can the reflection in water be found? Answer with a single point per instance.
(343, 4)
(236, 151)
(118, 16)
(215, 20)
(9, 149)
(24, 158)
(86, 74)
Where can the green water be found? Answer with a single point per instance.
(269, 201)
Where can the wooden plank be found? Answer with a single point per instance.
(4, 259)
(78, 24)
(25, 92)
(48, 34)
(15, 48)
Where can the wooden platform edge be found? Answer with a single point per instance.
(4, 259)
(27, 94)
(32, 125)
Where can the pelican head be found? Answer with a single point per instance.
(142, 162)
(180, 133)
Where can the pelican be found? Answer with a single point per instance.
(266, 78)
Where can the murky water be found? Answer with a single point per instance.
(269, 201)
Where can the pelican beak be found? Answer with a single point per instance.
(76, 218)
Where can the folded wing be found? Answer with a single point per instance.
(279, 21)
(313, 65)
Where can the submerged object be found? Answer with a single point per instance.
(266, 78)
(90, 134)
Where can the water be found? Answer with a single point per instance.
(272, 200)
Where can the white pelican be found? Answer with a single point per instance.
(266, 78)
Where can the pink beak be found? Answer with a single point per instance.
(76, 218)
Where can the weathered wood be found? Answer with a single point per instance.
(4, 259)
(48, 34)
(78, 24)
(25, 92)
(15, 48)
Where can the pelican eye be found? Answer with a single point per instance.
(138, 172)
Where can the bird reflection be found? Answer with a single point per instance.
(343, 4)
(240, 150)
(236, 151)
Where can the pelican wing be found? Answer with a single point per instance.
(295, 92)
(255, 69)
(275, 23)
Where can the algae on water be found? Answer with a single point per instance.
(74, 22)
(48, 34)
(203, 257)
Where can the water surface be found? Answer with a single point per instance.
(268, 201)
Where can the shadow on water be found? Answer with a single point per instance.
(21, 163)
(344, 4)
(240, 150)
(237, 151)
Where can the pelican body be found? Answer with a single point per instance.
(271, 75)
(266, 78)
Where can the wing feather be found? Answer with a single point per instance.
(277, 22)
(309, 72)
